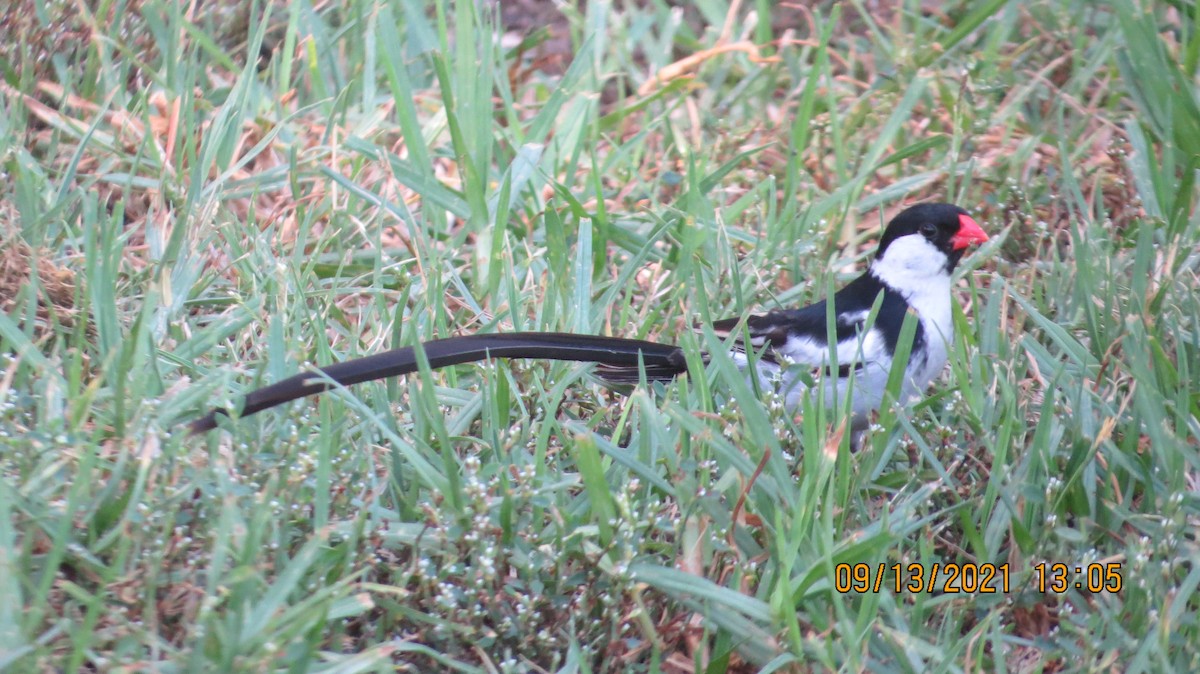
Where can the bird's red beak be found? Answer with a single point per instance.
(969, 232)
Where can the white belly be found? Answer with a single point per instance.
(867, 386)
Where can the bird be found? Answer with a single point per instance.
(910, 273)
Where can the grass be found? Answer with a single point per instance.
(195, 205)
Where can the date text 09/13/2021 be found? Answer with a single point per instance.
(973, 578)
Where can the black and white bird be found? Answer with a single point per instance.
(910, 273)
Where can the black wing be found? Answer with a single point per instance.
(852, 306)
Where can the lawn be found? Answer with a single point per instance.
(202, 198)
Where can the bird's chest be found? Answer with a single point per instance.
(937, 326)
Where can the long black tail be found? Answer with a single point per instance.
(620, 356)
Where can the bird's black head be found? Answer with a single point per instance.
(946, 227)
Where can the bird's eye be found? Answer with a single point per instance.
(928, 230)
